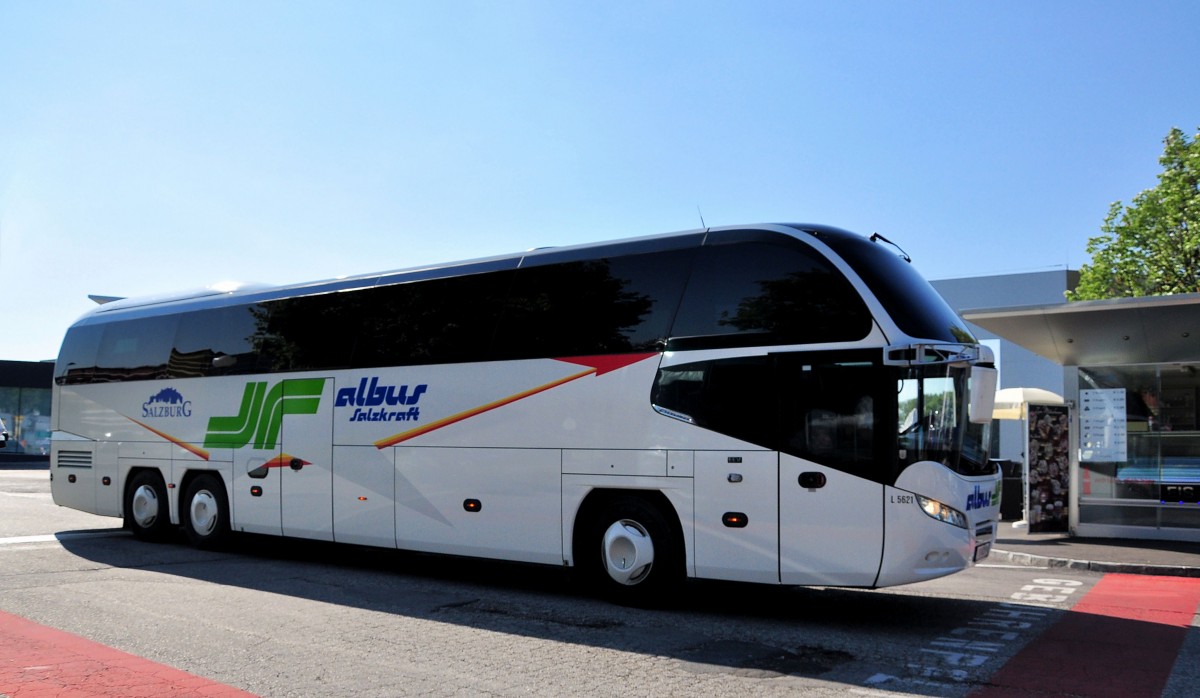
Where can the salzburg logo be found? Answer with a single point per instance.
(167, 402)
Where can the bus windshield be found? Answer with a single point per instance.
(934, 423)
(912, 303)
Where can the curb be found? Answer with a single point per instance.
(24, 465)
(1102, 567)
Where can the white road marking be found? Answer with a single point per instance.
(67, 535)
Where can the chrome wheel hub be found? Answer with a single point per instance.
(628, 552)
(145, 506)
(204, 512)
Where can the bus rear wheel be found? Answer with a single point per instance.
(629, 551)
(147, 511)
(206, 512)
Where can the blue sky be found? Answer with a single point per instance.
(150, 147)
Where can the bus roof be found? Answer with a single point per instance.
(219, 295)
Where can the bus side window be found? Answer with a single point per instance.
(842, 435)
(735, 397)
(217, 342)
(831, 414)
(820, 433)
(610, 305)
(77, 358)
(136, 349)
(308, 333)
(754, 293)
(435, 321)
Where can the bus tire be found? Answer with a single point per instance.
(205, 514)
(147, 510)
(629, 551)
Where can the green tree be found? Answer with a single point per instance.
(1152, 246)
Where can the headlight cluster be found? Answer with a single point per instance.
(941, 512)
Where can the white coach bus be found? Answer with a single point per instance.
(787, 404)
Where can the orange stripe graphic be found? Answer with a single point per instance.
(433, 426)
(196, 450)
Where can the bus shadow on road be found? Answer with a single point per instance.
(710, 627)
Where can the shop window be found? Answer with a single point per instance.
(1140, 445)
(26, 413)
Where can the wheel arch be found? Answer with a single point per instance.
(191, 474)
(172, 495)
(220, 535)
(598, 498)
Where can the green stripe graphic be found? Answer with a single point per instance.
(260, 416)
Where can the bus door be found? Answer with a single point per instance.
(234, 436)
(305, 411)
(830, 525)
(834, 457)
(255, 493)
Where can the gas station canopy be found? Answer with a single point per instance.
(1146, 330)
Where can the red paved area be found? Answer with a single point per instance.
(37, 662)
(1121, 640)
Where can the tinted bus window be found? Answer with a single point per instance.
(598, 306)
(736, 397)
(308, 333)
(912, 303)
(836, 411)
(77, 358)
(826, 408)
(217, 341)
(755, 293)
(135, 349)
(447, 320)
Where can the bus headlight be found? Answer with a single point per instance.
(941, 512)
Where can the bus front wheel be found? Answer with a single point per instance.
(206, 512)
(147, 511)
(629, 551)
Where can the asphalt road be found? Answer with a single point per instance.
(295, 618)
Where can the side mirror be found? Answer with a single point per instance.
(981, 384)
